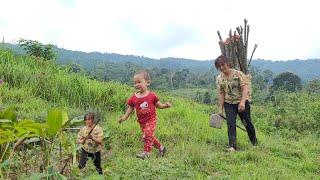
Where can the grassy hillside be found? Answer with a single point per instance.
(195, 151)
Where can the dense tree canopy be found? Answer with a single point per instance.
(35, 48)
(287, 81)
(313, 86)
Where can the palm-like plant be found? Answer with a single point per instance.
(14, 131)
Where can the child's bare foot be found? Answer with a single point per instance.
(143, 155)
(162, 151)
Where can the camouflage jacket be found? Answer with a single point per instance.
(231, 86)
(91, 146)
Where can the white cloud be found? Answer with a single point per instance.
(282, 29)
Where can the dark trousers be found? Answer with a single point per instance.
(96, 157)
(231, 111)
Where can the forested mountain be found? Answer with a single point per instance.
(306, 69)
(86, 59)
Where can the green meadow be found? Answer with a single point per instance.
(288, 130)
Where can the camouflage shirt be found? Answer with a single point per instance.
(91, 146)
(231, 86)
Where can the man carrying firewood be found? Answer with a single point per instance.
(234, 98)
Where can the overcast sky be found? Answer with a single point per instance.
(283, 30)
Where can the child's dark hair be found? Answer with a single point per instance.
(89, 115)
(220, 61)
(145, 74)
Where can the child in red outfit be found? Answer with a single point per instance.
(145, 103)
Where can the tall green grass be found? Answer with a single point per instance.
(55, 84)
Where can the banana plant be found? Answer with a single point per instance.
(57, 119)
(12, 130)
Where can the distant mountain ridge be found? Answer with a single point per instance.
(168, 63)
(306, 69)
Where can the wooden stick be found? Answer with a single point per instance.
(254, 49)
(239, 31)
(237, 50)
(71, 129)
(245, 39)
(236, 124)
(247, 44)
(222, 46)
(231, 44)
(90, 131)
(241, 49)
(18, 143)
(65, 164)
(245, 32)
(219, 36)
(239, 53)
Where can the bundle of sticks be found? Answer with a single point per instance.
(235, 47)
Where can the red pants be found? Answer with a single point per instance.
(148, 137)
